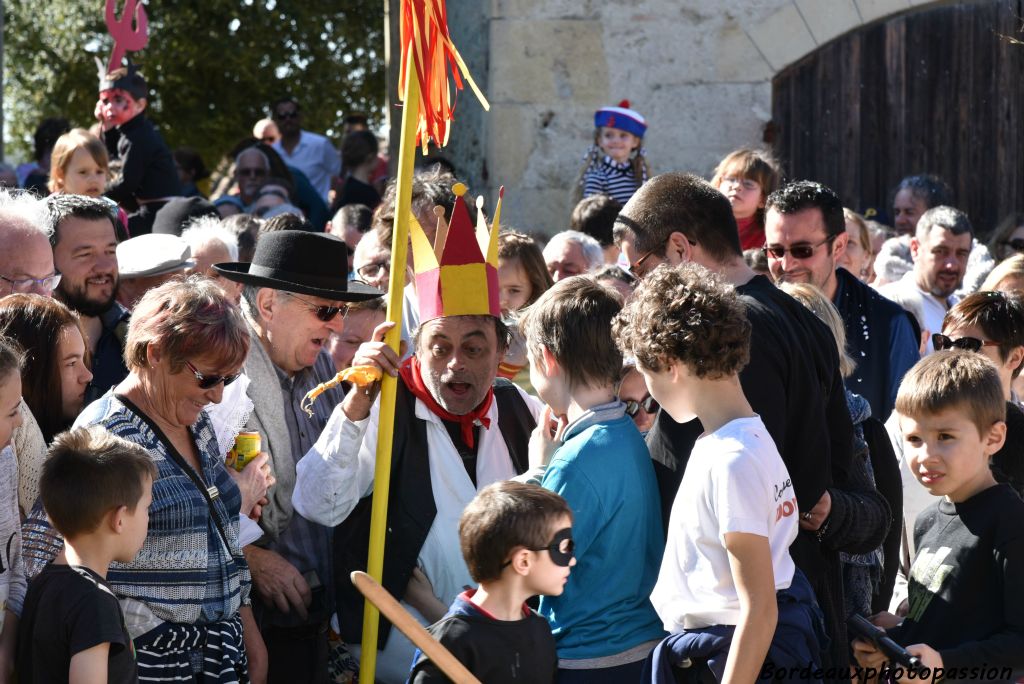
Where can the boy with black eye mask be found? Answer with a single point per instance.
(517, 542)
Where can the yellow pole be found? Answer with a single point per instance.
(389, 384)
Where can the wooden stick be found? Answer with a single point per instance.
(403, 620)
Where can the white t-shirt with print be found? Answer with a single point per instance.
(735, 481)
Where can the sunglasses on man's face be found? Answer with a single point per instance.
(800, 251)
(648, 404)
(293, 114)
(323, 312)
(972, 344)
(210, 381)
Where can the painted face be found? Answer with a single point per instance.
(802, 232)
(10, 406)
(854, 258)
(459, 357)
(296, 332)
(83, 176)
(74, 374)
(86, 256)
(514, 286)
(940, 260)
(744, 194)
(136, 524)
(906, 210)
(117, 106)
(618, 145)
(947, 455)
(553, 564)
(359, 325)
(568, 261)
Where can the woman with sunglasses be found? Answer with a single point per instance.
(640, 405)
(1008, 237)
(186, 594)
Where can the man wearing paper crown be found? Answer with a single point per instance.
(457, 429)
(148, 178)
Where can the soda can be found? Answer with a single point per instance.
(247, 447)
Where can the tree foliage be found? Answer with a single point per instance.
(213, 66)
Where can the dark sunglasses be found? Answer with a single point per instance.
(210, 381)
(648, 404)
(972, 344)
(251, 173)
(286, 115)
(1017, 245)
(323, 312)
(801, 251)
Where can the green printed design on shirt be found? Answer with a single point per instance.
(927, 576)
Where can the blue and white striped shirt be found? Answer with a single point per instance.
(611, 178)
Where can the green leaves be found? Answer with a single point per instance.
(213, 66)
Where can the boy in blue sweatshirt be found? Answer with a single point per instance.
(604, 623)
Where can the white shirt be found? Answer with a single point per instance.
(316, 157)
(928, 310)
(735, 481)
(338, 471)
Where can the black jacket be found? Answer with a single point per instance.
(147, 167)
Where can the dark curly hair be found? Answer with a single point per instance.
(799, 195)
(689, 314)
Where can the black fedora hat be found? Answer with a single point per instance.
(298, 261)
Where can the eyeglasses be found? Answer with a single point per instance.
(323, 312)
(374, 269)
(635, 268)
(745, 183)
(210, 381)
(798, 251)
(1017, 244)
(251, 173)
(23, 285)
(971, 344)
(648, 404)
(293, 114)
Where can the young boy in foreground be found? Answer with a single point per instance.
(735, 513)
(966, 600)
(517, 542)
(96, 489)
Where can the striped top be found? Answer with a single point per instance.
(611, 178)
(184, 573)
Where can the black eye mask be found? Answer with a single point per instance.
(561, 547)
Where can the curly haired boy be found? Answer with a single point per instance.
(735, 513)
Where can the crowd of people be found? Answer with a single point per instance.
(704, 423)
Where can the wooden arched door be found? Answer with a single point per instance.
(939, 90)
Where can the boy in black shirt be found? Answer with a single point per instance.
(966, 617)
(517, 541)
(96, 489)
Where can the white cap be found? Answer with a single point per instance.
(153, 254)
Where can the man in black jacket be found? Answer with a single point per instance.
(792, 382)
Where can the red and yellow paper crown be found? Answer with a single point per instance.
(458, 274)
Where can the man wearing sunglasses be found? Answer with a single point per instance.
(940, 248)
(295, 294)
(311, 153)
(792, 382)
(251, 168)
(805, 235)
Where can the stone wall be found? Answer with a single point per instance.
(699, 70)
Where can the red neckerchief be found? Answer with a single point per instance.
(410, 372)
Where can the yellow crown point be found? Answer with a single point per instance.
(459, 189)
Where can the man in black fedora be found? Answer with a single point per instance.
(295, 294)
